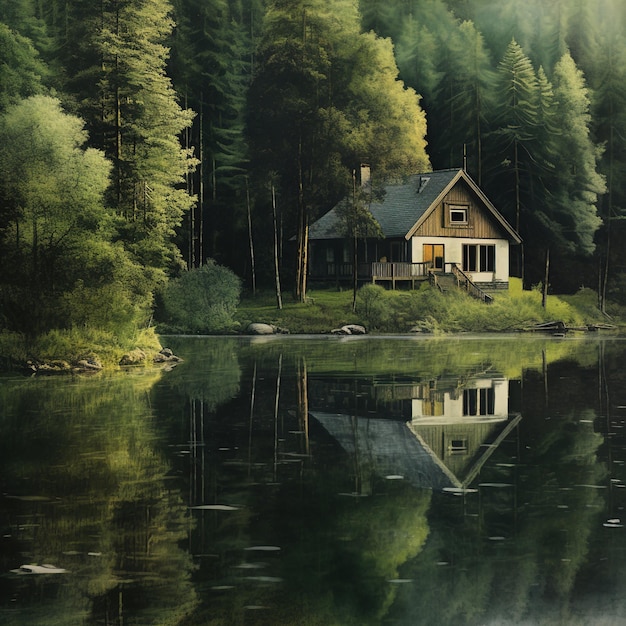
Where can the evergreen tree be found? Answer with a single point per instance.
(579, 184)
(116, 74)
(466, 91)
(21, 69)
(513, 134)
(212, 58)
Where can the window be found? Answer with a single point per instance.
(458, 215)
(479, 401)
(458, 446)
(479, 258)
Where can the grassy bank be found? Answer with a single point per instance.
(386, 311)
(75, 345)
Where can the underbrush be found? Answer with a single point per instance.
(426, 309)
(71, 345)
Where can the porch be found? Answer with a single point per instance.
(394, 273)
(379, 271)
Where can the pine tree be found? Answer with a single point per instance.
(21, 69)
(116, 73)
(212, 58)
(579, 183)
(466, 91)
(513, 135)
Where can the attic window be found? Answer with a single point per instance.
(458, 214)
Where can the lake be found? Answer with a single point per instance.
(321, 481)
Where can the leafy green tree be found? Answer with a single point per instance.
(340, 101)
(357, 222)
(60, 267)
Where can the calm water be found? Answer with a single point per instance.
(321, 481)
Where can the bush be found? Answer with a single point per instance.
(373, 306)
(202, 300)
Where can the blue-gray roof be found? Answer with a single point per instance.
(403, 204)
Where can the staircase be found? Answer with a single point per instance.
(458, 279)
(445, 282)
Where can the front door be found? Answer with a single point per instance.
(433, 254)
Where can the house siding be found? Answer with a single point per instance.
(480, 224)
(453, 253)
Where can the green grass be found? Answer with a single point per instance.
(387, 311)
(72, 345)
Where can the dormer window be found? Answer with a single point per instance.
(458, 215)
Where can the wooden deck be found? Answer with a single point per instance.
(396, 272)
(399, 272)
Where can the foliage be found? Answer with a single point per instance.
(21, 69)
(77, 343)
(202, 300)
(385, 311)
(62, 269)
(341, 102)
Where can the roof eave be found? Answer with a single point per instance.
(514, 236)
(432, 206)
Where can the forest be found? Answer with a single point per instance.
(144, 140)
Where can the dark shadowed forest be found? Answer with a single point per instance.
(140, 139)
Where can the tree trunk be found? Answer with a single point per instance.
(250, 239)
(520, 259)
(279, 298)
(546, 278)
(303, 236)
(355, 252)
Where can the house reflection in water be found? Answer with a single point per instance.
(436, 434)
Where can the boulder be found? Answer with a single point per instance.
(258, 328)
(88, 364)
(355, 329)
(55, 366)
(349, 329)
(134, 357)
(166, 356)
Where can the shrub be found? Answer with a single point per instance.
(373, 306)
(202, 300)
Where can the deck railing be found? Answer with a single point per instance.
(399, 271)
(465, 282)
(382, 271)
(393, 272)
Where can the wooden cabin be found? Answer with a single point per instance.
(434, 225)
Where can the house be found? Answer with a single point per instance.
(434, 224)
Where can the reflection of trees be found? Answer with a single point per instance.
(513, 551)
(89, 493)
(210, 373)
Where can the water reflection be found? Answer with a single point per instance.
(86, 489)
(322, 481)
(435, 433)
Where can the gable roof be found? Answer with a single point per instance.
(406, 205)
